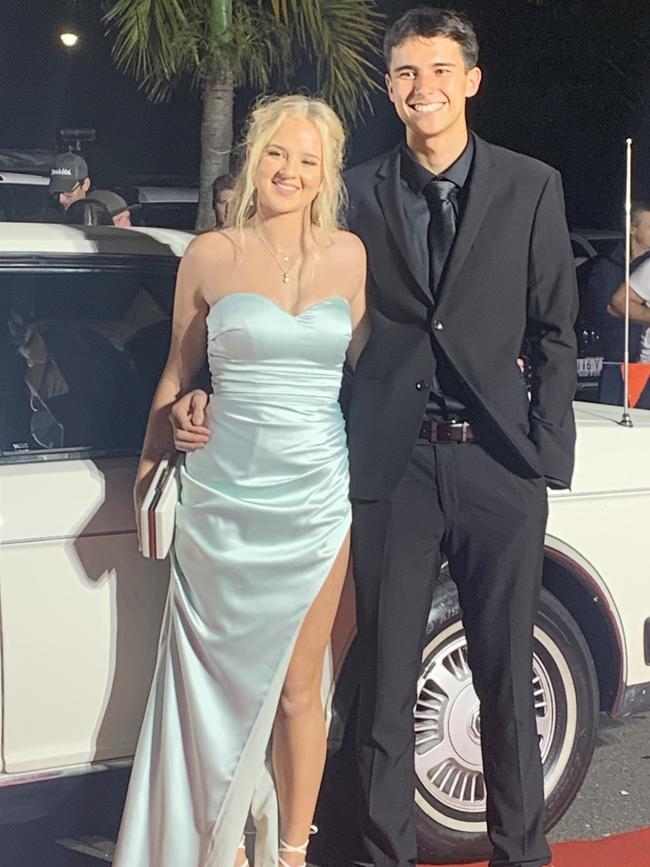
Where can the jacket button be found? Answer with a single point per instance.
(437, 325)
(422, 384)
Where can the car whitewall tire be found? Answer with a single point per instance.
(450, 793)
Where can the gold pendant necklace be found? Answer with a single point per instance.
(281, 262)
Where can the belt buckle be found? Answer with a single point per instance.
(464, 431)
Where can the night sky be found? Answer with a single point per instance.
(566, 88)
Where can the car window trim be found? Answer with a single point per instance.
(87, 262)
(71, 454)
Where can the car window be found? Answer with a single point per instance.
(604, 246)
(169, 215)
(22, 202)
(581, 248)
(81, 353)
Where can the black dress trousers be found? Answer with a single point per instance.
(457, 501)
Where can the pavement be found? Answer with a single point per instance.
(614, 798)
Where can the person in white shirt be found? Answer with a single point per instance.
(639, 291)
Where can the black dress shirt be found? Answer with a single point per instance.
(447, 401)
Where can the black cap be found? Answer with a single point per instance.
(68, 170)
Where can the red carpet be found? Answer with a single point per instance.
(626, 850)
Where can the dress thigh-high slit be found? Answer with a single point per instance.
(263, 515)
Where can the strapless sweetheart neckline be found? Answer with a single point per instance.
(270, 301)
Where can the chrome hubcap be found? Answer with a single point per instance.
(448, 759)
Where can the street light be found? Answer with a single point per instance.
(61, 80)
(69, 39)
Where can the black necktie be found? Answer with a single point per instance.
(442, 226)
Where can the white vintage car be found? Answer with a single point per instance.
(84, 327)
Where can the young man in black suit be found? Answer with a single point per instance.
(468, 258)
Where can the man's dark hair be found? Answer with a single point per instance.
(221, 183)
(638, 207)
(428, 21)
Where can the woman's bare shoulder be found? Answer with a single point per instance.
(348, 247)
(345, 240)
(218, 246)
(346, 257)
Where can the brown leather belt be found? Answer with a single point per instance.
(447, 432)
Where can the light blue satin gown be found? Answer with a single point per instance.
(263, 514)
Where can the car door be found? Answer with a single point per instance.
(82, 343)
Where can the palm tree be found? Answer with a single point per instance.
(220, 44)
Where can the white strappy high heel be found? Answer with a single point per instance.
(287, 849)
(242, 847)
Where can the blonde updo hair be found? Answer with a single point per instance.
(264, 120)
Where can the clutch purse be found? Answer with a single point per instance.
(158, 510)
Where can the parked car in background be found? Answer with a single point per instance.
(84, 330)
(166, 202)
(166, 205)
(587, 244)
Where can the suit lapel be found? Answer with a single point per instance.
(412, 248)
(482, 181)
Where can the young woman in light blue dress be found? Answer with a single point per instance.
(262, 528)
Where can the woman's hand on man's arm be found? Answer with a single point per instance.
(187, 418)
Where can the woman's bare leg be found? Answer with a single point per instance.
(241, 859)
(299, 737)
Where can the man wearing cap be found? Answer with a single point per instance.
(69, 179)
(117, 207)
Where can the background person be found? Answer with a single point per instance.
(117, 207)
(88, 212)
(69, 179)
(639, 292)
(222, 194)
(639, 302)
(605, 274)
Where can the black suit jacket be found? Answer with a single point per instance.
(510, 277)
